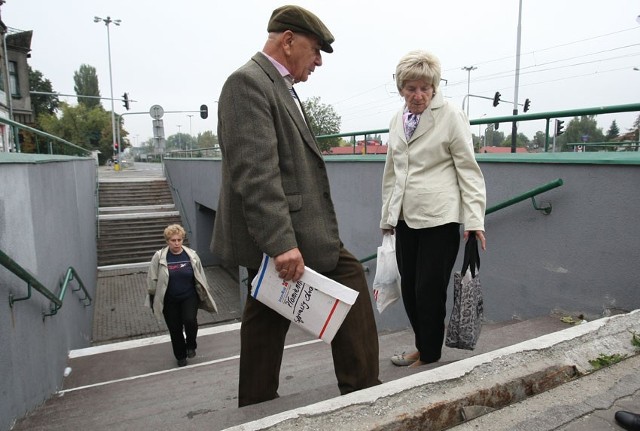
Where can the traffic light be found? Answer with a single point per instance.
(125, 101)
(496, 98)
(559, 127)
(204, 111)
(527, 102)
(115, 147)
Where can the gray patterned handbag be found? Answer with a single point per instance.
(466, 317)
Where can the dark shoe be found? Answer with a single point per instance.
(182, 362)
(191, 353)
(627, 420)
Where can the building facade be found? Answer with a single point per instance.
(15, 98)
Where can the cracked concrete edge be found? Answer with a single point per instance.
(381, 406)
(572, 406)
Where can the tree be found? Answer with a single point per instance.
(85, 127)
(41, 103)
(583, 129)
(181, 141)
(493, 138)
(323, 120)
(521, 141)
(636, 128)
(539, 140)
(613, 132)
(86, 84)
(207, 140)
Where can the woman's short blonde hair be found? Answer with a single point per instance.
(418, 65)
(173, 229)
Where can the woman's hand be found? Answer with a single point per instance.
(387, 231)
(479, 235)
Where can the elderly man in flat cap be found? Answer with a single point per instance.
(275, 199)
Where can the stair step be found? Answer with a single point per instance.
(136, 208)
(138, 215)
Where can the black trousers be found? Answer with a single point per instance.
(354, 347)
(425, 260)
(182, 316)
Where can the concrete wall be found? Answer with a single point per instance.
(580, 258)
(47, 224)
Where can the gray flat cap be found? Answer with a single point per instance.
(300, 20)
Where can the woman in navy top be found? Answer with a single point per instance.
(177, 287)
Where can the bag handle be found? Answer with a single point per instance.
(471, 255)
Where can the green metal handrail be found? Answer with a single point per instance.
(15, 125)
(32, 282)
(631, 107)
(69, 276)
(530, 194)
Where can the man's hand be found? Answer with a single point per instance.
(290, 265)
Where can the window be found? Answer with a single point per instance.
(13, 79)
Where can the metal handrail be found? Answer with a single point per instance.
(631, 107)
(32, 282)
(15, 125)
(69, 276)
(530, 194)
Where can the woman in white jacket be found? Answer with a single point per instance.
(431, 185)
(177, 287)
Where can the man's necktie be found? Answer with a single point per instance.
(410, 125)
(297, 100)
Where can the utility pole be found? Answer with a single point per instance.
(468, 69)
(190, 135)
(514, 126)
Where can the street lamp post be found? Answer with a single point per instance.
(108, 21)
(179, 137)
(468, 69)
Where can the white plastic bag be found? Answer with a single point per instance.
(386, 283)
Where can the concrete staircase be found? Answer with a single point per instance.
(132, 216)
(136, 385)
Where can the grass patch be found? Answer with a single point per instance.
(606, 360)
(635, 340)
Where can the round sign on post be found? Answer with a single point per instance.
(156, 112)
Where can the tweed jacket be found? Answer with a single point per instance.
(158, 280)
(433, 178)
(275, 192)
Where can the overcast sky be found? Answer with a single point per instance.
(177, 54)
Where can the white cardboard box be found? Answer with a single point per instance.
(315, 303)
